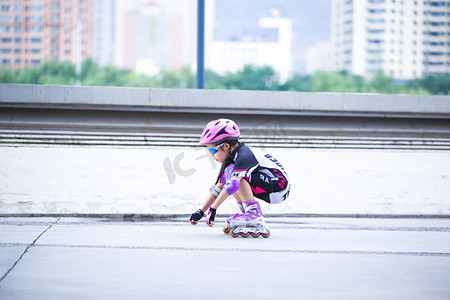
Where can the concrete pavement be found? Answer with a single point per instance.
(305, 258)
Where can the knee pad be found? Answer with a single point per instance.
(232, 186)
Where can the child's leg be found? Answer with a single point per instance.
(238, 199)
(248, 199)
(244, 193)
(233, 216)
(238, 202)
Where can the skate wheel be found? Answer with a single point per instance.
(245, 235)
(235, 235)
(255, 235)
(266, 235)
(226, 229)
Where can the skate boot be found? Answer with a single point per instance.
(250, 223)
(227, 228)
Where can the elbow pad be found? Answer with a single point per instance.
(232, 186)
(226, 175)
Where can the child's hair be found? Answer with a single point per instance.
(228, 160)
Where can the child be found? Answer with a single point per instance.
(243, 175)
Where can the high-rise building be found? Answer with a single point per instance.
(155, 35)
(320, 58)
(35, 31)
(268, 45)
(104, 31)
(404, 38)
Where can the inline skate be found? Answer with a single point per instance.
(249, 223)
(227, 228)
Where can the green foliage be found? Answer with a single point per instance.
(141, 80)
(52, 72)
(6, 76)
(213, 80)
(382, 83)
(88, 68)
(107, 76)
(298, 83)
(249, 78)
(182, 79)
(337, 82)
(434, 84)
(252, 78)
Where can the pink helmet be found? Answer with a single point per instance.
(219, 131)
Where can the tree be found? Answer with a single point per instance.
(359, 84)
(51, 72)
(54, 72)
(436, 85)
(249, 78)
(382, 83)
(178, 79)
(213, 80)
(337, 82)
(298, 83)
(141, 80)
(88, 68)
(106, 76)
(6, 76)
(252, 78)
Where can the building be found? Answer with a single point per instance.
(268, 45)
(155, 35)
(104, 31)
(320, 58)
(141, 35)
(405, 38)
(35, 31)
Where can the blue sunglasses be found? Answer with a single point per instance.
(215, 149)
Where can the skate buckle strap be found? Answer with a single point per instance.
(254, 208)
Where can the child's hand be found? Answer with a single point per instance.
(210, 217)
(196, 216)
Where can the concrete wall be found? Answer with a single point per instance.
(244, 102)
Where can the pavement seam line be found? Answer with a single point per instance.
(26, 250)
(295, 251)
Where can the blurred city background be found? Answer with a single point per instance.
(388, 46)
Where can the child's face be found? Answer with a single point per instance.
(222, 152)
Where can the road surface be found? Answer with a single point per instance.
(305, 258)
